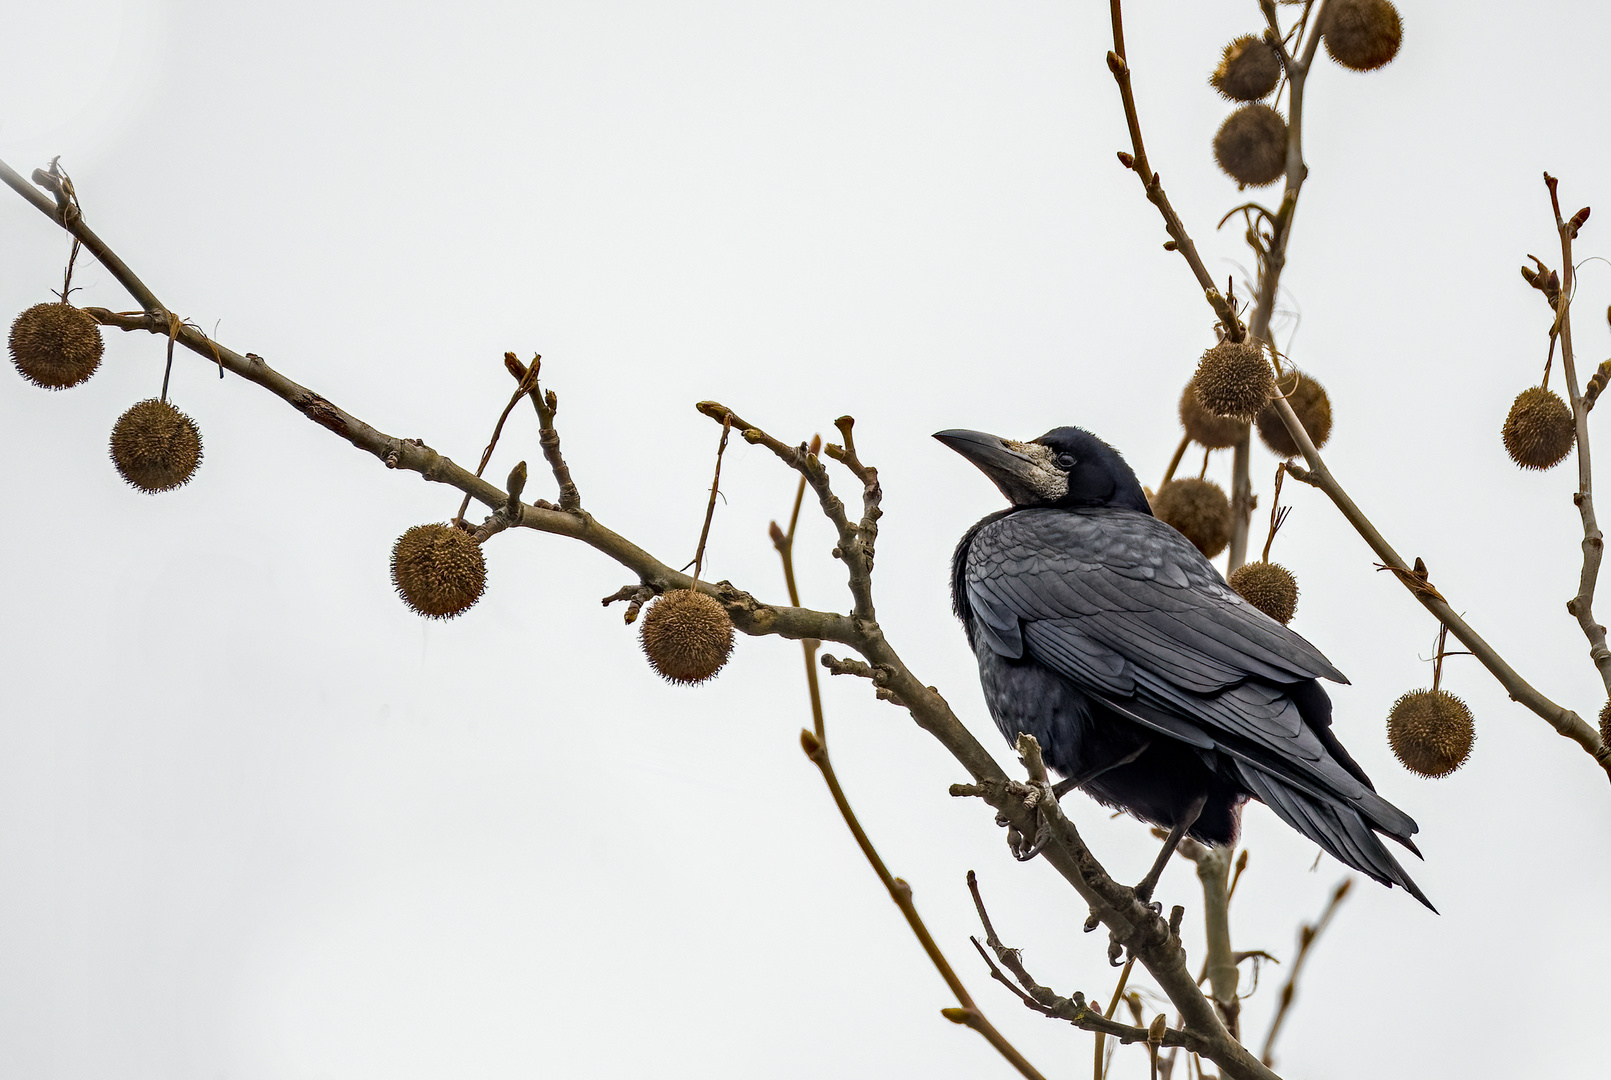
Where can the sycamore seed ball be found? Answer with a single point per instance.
(155, 446)
(1430, 732)
(55, 345)
(1539, 431)
(1309, 400)
(1362, 34)
(1206, 429)
(1251, 145)
(1605, 723)
(1233, 379)
(1248, 71)
(1269, 587)
(1199, 510)
(439, 570)
(687, 636)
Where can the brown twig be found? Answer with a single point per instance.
(547, 436)
(1174, 462)
(967, 1013)
(1580, 606)
(1307, 936)
(526, 383)
(710, 507)
(1137, 161)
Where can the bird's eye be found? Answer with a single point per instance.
(1065, 461)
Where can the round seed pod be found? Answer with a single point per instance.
(1251, 145)
(1430, 732)
(1539, 431)
(1248, 71)
(1206, 429)
(55, 345)
(687, 636)
(1199, 510)
(1362, 34)
(155, 446)
(1233, 379)
(1605, 723)
(438, 570)
(1309, 400)
(1270, 587)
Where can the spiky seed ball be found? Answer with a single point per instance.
(55, 345)
(1430, 732)
(1248, 71)
(155, 446)
(1362, 34)
(439, 570)
(1539, 431)
(1268, 586)
(1206, 429)
(1233, 379)
(1309, 400)
(1199, 510)
(687, 636)
(1605, 723)
(1251, 145)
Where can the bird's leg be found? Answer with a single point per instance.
(1184, 822)
(1063, 787)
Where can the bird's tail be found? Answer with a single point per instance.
(1339, 829)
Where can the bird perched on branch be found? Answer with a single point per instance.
(1147, 681)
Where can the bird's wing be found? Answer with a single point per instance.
(1126, 608)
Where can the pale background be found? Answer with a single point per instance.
(259, 821)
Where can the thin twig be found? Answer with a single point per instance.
(710, 507)
(1306, 938)
(492, 444)
(1179, 240)
(547, 435)
(1174, 462)
(1580, 606)
(967, 1014)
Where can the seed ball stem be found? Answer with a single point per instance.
(1198, 510)
(55, 346)
(438, 570)
(155, 446)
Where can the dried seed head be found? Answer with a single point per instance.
(1430, 732)
(1269, 587)
(1233, 379)
(1252, 145)
(1248, 71)
(687, 636)
(55, 345)
(1308, 399)
(1605, 723)
(439, 570)
(1362, 34)
(1206, 429)
(1539, 431)
(155, 446)
(1199, 510)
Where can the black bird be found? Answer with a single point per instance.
(1148, 682)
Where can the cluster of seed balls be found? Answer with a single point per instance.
(154, 446)
(1430, 731)
(1251, 145)
(440, 572)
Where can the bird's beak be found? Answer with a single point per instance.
(1013, 471)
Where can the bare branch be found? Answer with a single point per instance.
(1307, 936)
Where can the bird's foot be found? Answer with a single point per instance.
(1025, 848)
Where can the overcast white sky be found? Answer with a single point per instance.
(259, 821)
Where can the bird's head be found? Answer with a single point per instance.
(1066, 467)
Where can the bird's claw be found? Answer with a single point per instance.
(1023, 850)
